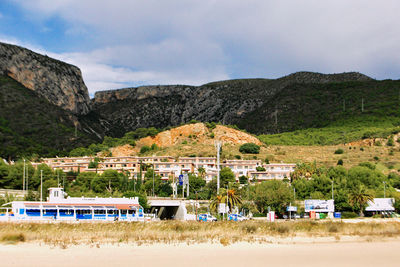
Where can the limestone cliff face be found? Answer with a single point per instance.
(60, 83)
(228, 102)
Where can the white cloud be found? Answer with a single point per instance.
(147, 42)
(99, 74)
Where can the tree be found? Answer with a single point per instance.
(226, 176)
(47, 174)
(215, 201)
(83, 182)
(142, 198)
(274, 193)
(161, 188)
(195, 183)
(233, 199)
(358, 198)
(260, 169)
(202, 172)
(4, 169)
(249, 148)
(243, 180)
(109, 181)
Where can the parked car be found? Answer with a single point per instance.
(206, 217)
(237, 217)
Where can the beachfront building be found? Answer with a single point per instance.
(278, 171)
(58, 207)
(170, 168)
(241, 167)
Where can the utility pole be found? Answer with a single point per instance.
(153, 177)
(41, 186)
(218, 147)
(294, 194)
(226, 202)
(27, 179)
(187, 185)
(23, 179)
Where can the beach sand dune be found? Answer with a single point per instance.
(239, 254)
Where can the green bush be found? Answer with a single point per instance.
(390, 142)
(145, 149)
(154, 146)
(249, 148)
(260, 169)
(238, 157)
(339, 151)
(211, 125)
(349, 215)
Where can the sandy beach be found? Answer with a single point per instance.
(240, 254)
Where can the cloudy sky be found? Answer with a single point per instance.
(122, 43)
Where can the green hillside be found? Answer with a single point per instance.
(338, 132)
(307, 105)
(29, 124)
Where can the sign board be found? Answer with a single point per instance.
(186, 179)
(181, 179)
(380, 204)
(222, 208)
(291, 208)
(271, 216)
(319, 205)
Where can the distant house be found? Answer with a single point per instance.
(170, 168)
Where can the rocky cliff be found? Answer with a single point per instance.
(60, 83)
(229, 102)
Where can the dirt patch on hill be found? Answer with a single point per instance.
(199, 133)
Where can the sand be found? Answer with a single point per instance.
(240, 254)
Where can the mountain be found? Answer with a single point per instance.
(30, 124)
(44, 101)
(229, 102)
(58, 82)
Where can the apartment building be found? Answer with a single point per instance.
(170, 168)
(272, 171)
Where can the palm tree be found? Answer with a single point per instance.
(233, 199)
(359, 197)
(215, 202)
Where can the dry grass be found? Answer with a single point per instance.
(322, 155)
(173, 232)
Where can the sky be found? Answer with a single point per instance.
(125, 43)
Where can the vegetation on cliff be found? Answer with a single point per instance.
(29, 124)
